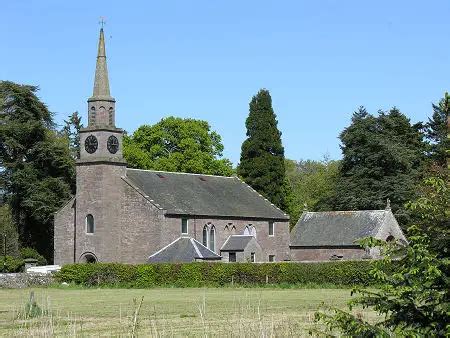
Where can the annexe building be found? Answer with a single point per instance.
(323, 236)
(126, 215)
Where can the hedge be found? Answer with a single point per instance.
(11, 264)
(199, 274)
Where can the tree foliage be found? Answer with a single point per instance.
(414, 299)
(436, 132)
(8, 232)
(176, 144)
(382, 159)
(312, 183)
(262, 156)
(38, 172)
(71, 130)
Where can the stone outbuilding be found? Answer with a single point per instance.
(333, 235)
(242, 249)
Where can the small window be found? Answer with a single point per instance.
(212, 239)
(232, 257)
(184, 226)
(271, 258)
(271, 228)
(90, 226)
(252, 257)
(205, 236)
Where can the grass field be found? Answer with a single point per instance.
(209, 312)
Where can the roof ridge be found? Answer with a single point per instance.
(164, 248)
(336, 211)
(180, 173)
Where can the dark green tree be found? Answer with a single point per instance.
(383, 158)
(71, 130)
(262, 156)
(436, 132)
(176, 144)
(37, 170)
(8, 233)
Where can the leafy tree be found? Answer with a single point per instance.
(71, 130)
(262, 156)
(8, 232)
(436, 132)
(38, 173)
(312, 183)
(382, 158)
(176, 144)
(413, 298)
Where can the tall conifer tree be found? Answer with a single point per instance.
(262, 156)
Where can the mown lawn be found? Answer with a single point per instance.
(165, 312)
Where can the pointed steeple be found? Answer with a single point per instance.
(101, 82)
(101, 104)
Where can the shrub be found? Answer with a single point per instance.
(11, 264)
(32, 253)
(199, 274)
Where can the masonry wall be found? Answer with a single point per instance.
(277, 245)
(324, 254)
(63, 234)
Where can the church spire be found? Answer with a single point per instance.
(101, 82)
(101, 104)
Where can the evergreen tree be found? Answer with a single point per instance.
(382, 159)
(436, 132)
(71, 130)
(262, 156)
(37, 170)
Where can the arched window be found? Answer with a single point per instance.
(389, 238)
(233, 230)
(90, 226)
(212, 239)
(253, 231)
(247, 230)
(88, 257)
(205, 236)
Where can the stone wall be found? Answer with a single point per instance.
(324, 254)
(24, 280)
(63, 234)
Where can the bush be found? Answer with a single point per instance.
(11, 264)
(199, 274)
(32, 253)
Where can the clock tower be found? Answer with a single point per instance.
(100, 171)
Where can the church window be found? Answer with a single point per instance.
(247, 230)
(390, 238)
(90, 226)
(212, 239)
(252, 257)
(184, 226)
(205, 236)
(271, 258)
(232, 257)
(271, 228)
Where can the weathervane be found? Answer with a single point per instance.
(102, 21)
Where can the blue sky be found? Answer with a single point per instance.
(206, 59)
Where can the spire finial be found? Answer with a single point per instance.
(388, 204)
(102, 21)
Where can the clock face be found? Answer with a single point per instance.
(91, 144)
(113, 144)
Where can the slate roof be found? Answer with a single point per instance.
(236, 243)
(203, 195)
(336, 228)
(183, 249)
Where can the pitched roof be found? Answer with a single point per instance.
(183, 249)
(236, 243)
(203, 195)
(336, 228)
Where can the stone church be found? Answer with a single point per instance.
(134, 216)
